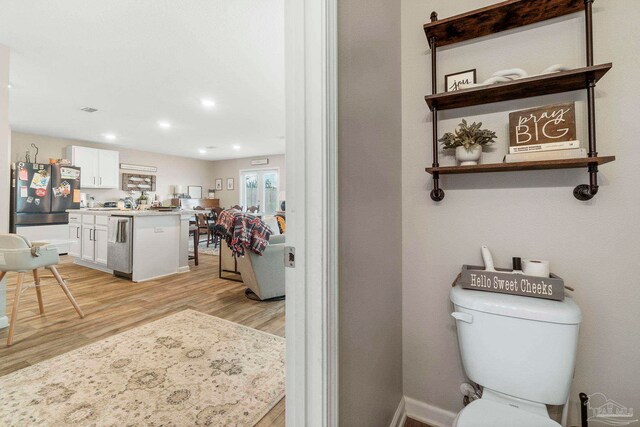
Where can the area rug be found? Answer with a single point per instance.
(203, 249)
(187, 369)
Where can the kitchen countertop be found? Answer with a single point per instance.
(118, 212)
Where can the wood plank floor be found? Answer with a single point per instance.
(113, 305)
(413, 423)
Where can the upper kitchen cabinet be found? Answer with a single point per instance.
(109, 167)
(99, 168)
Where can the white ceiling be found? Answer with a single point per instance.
(143, 61)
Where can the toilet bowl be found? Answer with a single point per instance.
(490, 412)
(522, 352)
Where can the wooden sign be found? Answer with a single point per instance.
(505, 282)
(543, 125)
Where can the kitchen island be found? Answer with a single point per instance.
(138, 245)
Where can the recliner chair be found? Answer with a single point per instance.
(264, 274)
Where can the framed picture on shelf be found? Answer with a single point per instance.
(195, 191)
(230, 184)
(218, 186)
(453, 81)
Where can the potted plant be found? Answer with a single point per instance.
(468, 141)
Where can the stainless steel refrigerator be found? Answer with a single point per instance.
(41, 194)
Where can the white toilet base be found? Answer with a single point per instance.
(495, 409)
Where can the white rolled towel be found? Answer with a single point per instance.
(511, 73)
(496, 79)
(555, 68)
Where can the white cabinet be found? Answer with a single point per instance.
(75, 236)
(108, 165)
(94, 239)
(99, 168)
(87, 159)
(88, 246)
(100, 240)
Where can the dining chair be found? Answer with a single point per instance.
(17, 254)
(202, 223)
(215, 214)
(238, 207)
(193, 231)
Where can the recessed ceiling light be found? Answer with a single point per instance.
(109, 136)
(164, 124)
(202, 151)
(235, 146)
(207, 103)
(9, 86)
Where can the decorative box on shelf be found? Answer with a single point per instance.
(504, 281)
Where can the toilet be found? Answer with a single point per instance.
(521, 350)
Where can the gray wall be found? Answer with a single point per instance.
(231, 168)
(594, 246)
(370, 239)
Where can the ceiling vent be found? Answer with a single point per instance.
(89, 109)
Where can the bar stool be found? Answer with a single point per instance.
(19, 255)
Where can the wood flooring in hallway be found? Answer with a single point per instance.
(112, 305)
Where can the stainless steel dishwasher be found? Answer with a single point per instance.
(120, 246)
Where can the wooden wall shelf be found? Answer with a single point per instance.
(546, 84)
(138, 182)
(493, 19)
(498, 17)
(522, 166)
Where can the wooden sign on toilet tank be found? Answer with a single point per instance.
(505, 282)
(552, 127)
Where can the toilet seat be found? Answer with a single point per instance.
(487, 413)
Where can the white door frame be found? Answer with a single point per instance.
(311, 159)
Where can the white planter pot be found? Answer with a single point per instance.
(469, 157)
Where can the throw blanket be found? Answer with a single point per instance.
(242, 231)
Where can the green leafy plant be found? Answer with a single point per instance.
(467, 136)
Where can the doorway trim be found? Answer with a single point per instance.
(312, 212)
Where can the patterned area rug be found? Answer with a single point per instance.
(187, 369)
(203, 249)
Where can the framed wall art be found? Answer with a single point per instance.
(453, 81)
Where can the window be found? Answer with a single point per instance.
(260, 188)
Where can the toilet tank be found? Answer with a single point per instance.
(520, 346)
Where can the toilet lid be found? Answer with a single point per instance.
(484, 412)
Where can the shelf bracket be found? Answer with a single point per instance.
(585, 192)
(437, 194)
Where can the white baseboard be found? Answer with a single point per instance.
(92, 265)
(400, 416)
(4, 322)
(428, 414)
